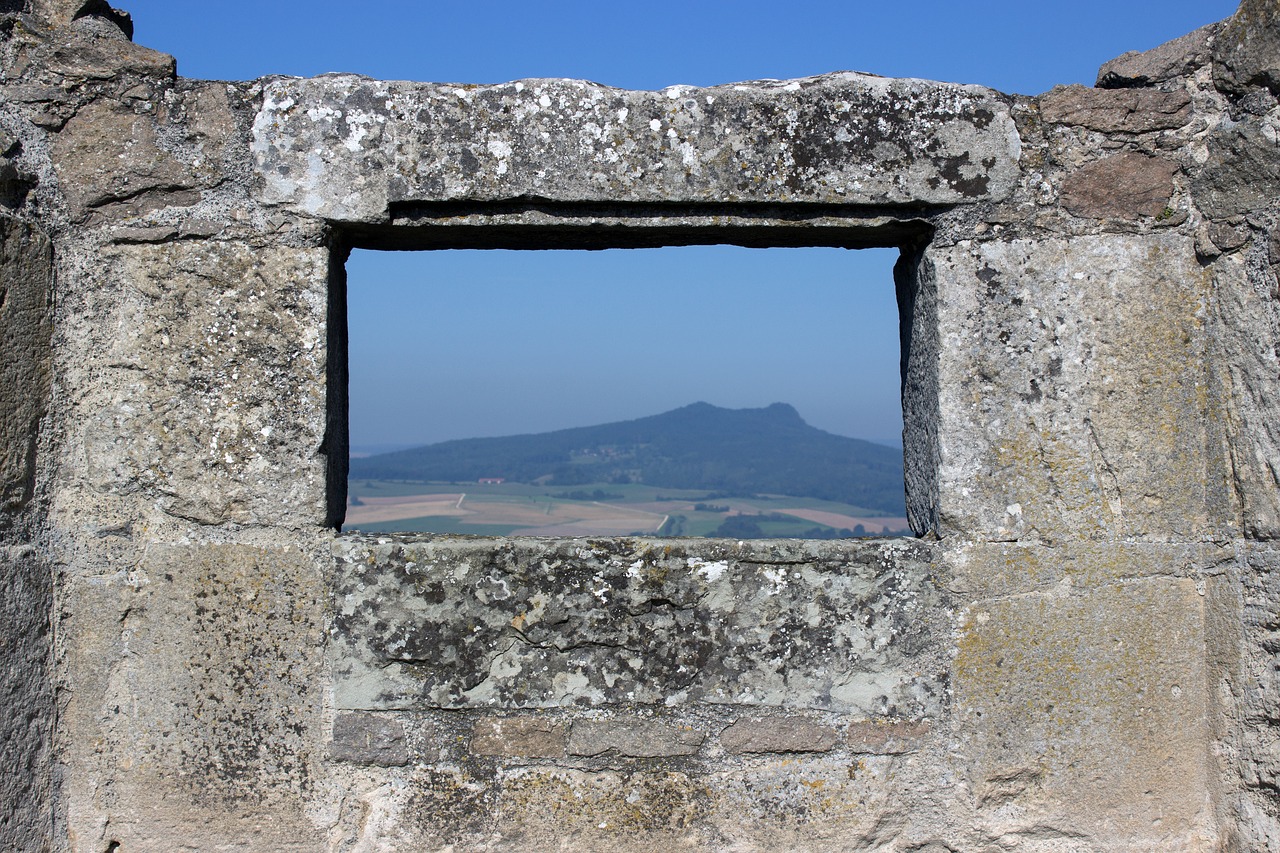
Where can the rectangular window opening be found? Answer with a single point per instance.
(705, 390)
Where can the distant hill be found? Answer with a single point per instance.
(730, 451)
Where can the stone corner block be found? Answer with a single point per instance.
(522, 737)
(363, 738)
(778, 734)
(634, 739)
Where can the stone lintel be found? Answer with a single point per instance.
(349, 149)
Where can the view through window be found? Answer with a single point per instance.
(684, 391)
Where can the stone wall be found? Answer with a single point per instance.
(1079, 653)
(26, 583)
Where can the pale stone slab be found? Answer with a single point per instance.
(1070, 703)
(348, 149)
(199, 377)
(424, 623)
(1246, 319)
(522, 737)
(1076, 393)
(196, 684)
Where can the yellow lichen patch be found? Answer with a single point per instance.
(602, 802)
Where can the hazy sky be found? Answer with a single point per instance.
(459, 344)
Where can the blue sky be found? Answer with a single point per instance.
(459, 344)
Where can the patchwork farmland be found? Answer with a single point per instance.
(600, 509)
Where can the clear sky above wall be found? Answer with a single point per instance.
(459, 344)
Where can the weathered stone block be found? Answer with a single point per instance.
(27, 696)
(1246, 52)
(1076, 393)
(79, 41)
(1228, 237)
(194, 698)
(26, 328)
(1125, 186)
(607, 811)
(523, 737)
(991, 569)
(114, 159)
(1256, 717)
(346, 148)
(778, 734)
(1087, 712)
(886, 737)
(1177, 58)
(1117, 110)
(369, 739)
(1241, 173)
(633, 738)
(199, 375)
(1091, 430)
(1246, 323)
(427, 623)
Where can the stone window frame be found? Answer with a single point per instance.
(534, 225)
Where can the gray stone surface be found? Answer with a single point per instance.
(1240, 173)
(518, 737)
(1074, 698)
(1258, 744)
(1246, 322)
(26, 328)
(1061, 425)
(361, 738)
(181, 400)
(27, 786)
(1246, 52)
(1080, 658)
(533, 624)
(196, 682)
(1177, 58)
(349, 148)
(26, 693)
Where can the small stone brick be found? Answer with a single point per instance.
(1116, 110)
(362, 738)
(636, 739)
(1125, 186)
(778, 734)
(886, 737)
(527, 737)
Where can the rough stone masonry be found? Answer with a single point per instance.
(1080, 653)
